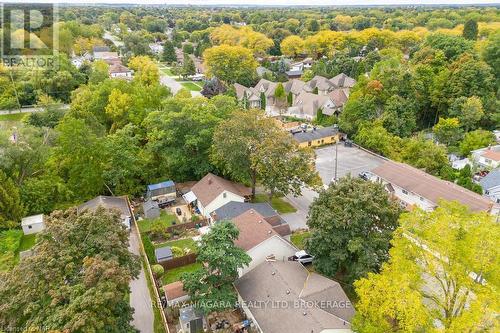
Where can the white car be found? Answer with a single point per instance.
(302, 256)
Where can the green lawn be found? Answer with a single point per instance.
(167, 71)
(277, 203)
(298, 238)
(27, 242)
(10, 241)
(191, 86)
(165, 219)
(180, 243)
(13, 116)
(173, 275)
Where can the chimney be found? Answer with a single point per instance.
(209, 181)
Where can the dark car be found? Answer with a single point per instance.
(178, 211)
(364, 175)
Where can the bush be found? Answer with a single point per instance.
(158, 231)
(177, 251)
(158, 271)
(149, 249)
(195, 218)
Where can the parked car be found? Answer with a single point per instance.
(302, 256)
(162, 203)
(178, 211)
(365, 175)
(348, 143)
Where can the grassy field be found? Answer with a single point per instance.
(277, 203)
(13, 116)
(298, 238)
(10, 241)
(180, 243)
(173, 275)
(165, 219)
(191, 86)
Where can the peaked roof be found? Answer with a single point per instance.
(288, 282)
(254, 229)
(491, 180)
(119, 68)
(210, 186)
(294, 86)
(339, 96)
(235, 208)
(428, 186)
(108, 202)
(343, 81)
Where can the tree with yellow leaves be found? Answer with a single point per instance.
(292, 46)
(245, 36)
(442, 276)
(146, 71)
(230, 64)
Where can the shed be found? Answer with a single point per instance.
(151, 209)
(191, 321)
(161, 190)
(163, 254)
(33, 224)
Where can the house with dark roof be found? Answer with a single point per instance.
(233, 209)
(213, 192)
(260, 239)
(283, 296)
(416, 188)
(317, 136)
(491, 185)
(117, 204)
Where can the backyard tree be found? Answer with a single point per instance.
(188, 67)
(280, 95)
(352, 223)
(230, 64)
(475, 140)
(168, 54)
(292, 46)
(211, 287)
(447, 131)
(470, 30)
(250, 147)
(81, 264)
(146, 71)
(11, 207)
(443, 270)
(468, 110)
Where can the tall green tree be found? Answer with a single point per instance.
(11, 207)
(470, 30)
(168, 54)
(468, 110)
(211, 287)
(447, 131)
(230, 64)
(442, 275)
(81, 265)
(475, 140)
(352, 223)
(188, 67)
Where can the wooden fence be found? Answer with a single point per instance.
(180, 261)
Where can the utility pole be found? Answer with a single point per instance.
(336, 160)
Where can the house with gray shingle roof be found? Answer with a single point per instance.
(491, 185)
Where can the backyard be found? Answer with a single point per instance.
(12, 116)
(280, 205)
(299, 237)
(186, 243)
(11, 243)
(191, 86)
(165, 220)
(172, 275)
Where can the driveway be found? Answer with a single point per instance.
(350, 160)
(140, 299)
(174, 86)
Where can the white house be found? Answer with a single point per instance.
(212, 192)
(488, 157)
(118, 71)
(413, 187)
(260, 240)
(491, 185)
(33, 224)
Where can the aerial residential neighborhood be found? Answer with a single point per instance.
(250, 167)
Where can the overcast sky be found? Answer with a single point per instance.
(271, 2)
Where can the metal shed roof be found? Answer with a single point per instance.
(168, 183)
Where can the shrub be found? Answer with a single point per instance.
(158, 270)
(149, 249)
(177, 251)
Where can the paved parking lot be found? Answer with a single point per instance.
(350, 160)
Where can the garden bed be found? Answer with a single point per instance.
(172, 275)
